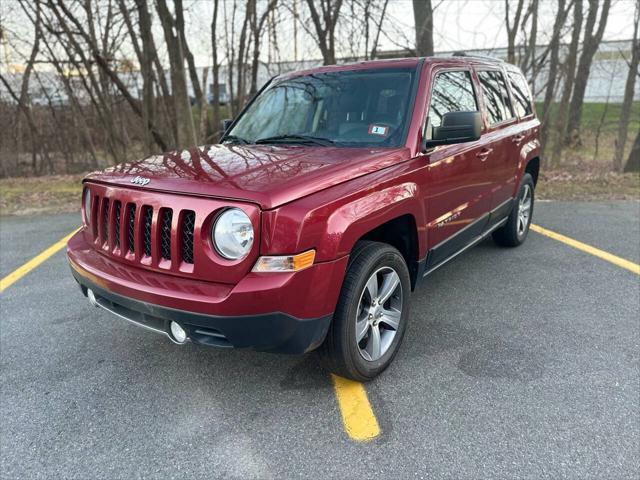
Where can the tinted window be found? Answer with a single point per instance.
(496, 97)
(359, 108)
(452, 92)
(521, 94)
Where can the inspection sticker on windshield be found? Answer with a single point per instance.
(378, 130)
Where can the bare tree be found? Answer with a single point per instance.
(257, 29)
(423, 18)
(528, 59)
(512, 24)
(552, 73)
(173, 33)
(625, 113)
(633, 162)
(324, 22)
(23, 101)
(569, 68)
(215, 68)
(378, 27)
(590, 43)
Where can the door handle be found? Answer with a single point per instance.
(517, 139)
(484, 153)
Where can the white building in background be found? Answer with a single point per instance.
(606, 79)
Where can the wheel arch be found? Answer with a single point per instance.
(401, 233)
(532, 167)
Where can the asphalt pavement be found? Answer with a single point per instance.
(517, 363)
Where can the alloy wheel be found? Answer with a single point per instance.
(379, 313)
(524, 210)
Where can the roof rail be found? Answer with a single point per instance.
(471, 55)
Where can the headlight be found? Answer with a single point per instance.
(232, 234)
(87, 206)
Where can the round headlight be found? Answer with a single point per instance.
(232, 234)
(87, 206)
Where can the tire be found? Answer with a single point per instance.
(371, 269)
(515, 231)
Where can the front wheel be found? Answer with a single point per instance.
(371, 315)
(514, 232)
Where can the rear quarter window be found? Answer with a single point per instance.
(521, 94)
(496, 96)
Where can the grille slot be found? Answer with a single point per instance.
(131, 227)
(147, 216)
(188, 226)
(105, 221)
(165, 233)
(116, 226)
(95, 216)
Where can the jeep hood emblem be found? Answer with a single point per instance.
(138, 180)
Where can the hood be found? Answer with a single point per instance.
(267, 175)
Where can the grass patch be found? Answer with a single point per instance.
(39, 195)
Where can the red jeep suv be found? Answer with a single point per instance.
(327, 199)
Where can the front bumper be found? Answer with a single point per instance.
(277, 312)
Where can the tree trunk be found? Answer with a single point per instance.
(625, 113)
(179, 91)
(590, 45)
(146, 68)
(569, 70)
(325, 27)
(215, 70)
(633, 162)
(240, 62)
(423, 18)
(512, 29)
(554, 48)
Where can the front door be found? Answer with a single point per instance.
(459, 184)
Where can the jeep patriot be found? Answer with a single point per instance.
(329, 197)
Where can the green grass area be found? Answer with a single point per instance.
(598, 134)
(595, 114)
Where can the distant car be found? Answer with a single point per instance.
(224, 96)
(50, 97)
(331, 196)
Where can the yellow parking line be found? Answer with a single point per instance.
(20, 272)
(620, 262)
(358, 418)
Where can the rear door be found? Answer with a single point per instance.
(458, 183)
(501, 128)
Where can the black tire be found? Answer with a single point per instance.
(340, 353)
(512, 234)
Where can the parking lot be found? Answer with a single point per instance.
(517, 363)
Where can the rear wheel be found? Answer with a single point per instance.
(371, 315)
(515, 231)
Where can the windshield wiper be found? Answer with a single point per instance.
(295, 138)
(235, 139)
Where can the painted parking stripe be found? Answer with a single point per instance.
(358, 418)
(20, 272)
(620, 262)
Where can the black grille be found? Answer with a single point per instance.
(188, 224)
(116, 226)
(105, 220)
(131, 227)
(165, 234)
(146, 229)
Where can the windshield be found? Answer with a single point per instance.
(349, 108)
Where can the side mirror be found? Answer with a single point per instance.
(457, 127)
(226, 123)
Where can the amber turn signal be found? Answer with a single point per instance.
(285, 263)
